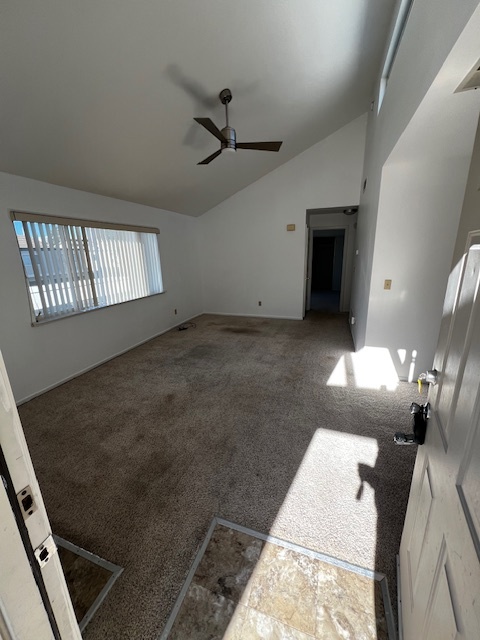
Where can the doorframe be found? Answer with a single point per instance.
(24, 536)
(22, 474)
(344, 306)
(307, 282)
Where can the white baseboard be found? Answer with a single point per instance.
(100, 362)
(251, 315)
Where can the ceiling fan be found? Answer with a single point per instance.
(228, 137)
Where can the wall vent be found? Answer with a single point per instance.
(472, 81)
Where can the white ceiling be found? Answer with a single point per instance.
(99, 95)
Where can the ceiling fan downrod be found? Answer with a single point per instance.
(228, 132)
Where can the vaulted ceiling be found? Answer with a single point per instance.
(100, 95)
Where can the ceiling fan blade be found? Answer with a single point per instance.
(210, 158)
(210, 126)
(260, 146)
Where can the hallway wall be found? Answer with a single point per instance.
(418, 150)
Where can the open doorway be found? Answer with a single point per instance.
(327, 268)
(329, 258)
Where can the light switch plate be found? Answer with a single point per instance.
(387, 285)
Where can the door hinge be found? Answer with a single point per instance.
(26, 502)
(45, 551)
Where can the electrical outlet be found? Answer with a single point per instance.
(259, 303)
(352, 320)
(387, 285)
(175, 311)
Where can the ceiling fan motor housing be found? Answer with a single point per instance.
(230, 139)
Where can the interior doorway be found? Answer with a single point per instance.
(327, 268)
(329, 258)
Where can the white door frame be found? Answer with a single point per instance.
(307, 291)
(344, 305)
(22, 475)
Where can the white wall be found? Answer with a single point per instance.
(470, 218)
(415, 235)
(416, 163)
(40, 357)
(247, 253)
(469, 221)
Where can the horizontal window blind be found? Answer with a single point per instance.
(72, 268)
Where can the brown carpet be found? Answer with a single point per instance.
(234, 418)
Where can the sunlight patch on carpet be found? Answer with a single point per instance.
(369, 368)
(325, 496)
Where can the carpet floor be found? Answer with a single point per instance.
(273, 424)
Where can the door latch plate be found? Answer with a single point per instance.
(26, 501)
(45, 551)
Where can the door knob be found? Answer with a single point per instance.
(430, 377)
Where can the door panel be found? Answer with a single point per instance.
(459, 340)
(468, 484)
(439, 553)
(471, 501)
(417, 541)
(441, 621)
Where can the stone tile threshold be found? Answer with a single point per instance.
(245, 585)
(89, 578)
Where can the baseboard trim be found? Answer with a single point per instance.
(100, 362)
(251, 315)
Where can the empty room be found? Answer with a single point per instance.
(240, 320)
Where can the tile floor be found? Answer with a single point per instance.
(85, 580)
(246, 589)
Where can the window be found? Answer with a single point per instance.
(73, 266)
(401, 17)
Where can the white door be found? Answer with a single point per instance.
(440, 548)
(25, 598)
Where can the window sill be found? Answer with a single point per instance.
(99, 308)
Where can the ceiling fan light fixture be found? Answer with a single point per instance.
(228, 137)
